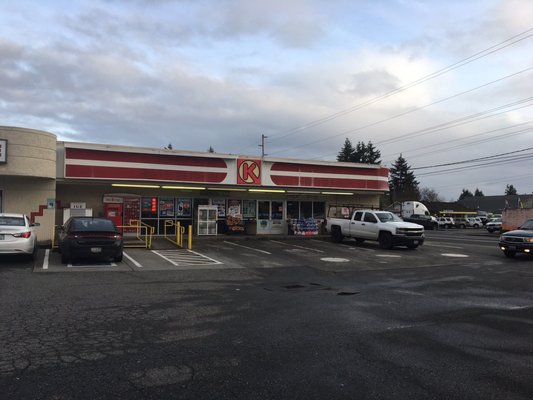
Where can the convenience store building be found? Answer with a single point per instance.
(216, 193)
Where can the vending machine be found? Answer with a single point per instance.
(114, 212)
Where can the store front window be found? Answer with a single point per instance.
(305, 217)
(156, 210)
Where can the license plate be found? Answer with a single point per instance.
(511, 247)
(415, 242)
(96, 249)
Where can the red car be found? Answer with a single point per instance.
(89, 237)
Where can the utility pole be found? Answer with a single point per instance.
(262, 145)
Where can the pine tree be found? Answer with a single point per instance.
(510, 190)
(346, 152)
(478, 193)
(465, 193)
(366, 154)
(402, 182)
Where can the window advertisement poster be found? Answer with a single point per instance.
(221, 206)
(149, 207)
(183, 207)
(166, 207)
(234, 208)
(248, 209)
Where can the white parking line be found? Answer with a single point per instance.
(441, 245)
(209, 258)
(165, 258)
(46, 259)
(179, 258)
(132, 260)
(246, 247)
(295, 245)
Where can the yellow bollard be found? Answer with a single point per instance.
(190, 238)
(178, 233)
(181, 236)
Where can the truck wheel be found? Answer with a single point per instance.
(336, 234)
(385, 240)
(509, 253)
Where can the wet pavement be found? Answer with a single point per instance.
(277, 319)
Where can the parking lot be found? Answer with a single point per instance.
(441, 248)
(282, 318)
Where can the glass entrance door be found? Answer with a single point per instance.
(270, 218)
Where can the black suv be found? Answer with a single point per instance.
(518, 241)
(424, 220)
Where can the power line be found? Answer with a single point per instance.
(506, 179)
(413, 110)
(460, 121)
(464, 145)
(446, 125)
(471, 167)
(473, 159)
(483, 53)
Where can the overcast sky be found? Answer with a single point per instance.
(437, 81)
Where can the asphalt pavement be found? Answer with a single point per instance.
(272, 319)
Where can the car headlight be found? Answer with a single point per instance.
(528, 240)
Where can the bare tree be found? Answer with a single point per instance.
(429, 195)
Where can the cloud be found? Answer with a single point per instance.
(373, 83)
(221, 73)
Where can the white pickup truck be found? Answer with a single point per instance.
(382, 226)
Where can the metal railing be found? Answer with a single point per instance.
(178, 236)
(143, 233)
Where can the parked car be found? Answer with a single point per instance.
(518, 241)
(494, 224)
(89, 237)
(425, 220)
(446, 222)
(461, 223)
(484, 219)
(17, 235)
(475, 222)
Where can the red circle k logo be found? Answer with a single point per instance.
(248, 172)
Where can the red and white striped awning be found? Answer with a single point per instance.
(84, 161)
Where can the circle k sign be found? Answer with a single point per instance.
(248, 172)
